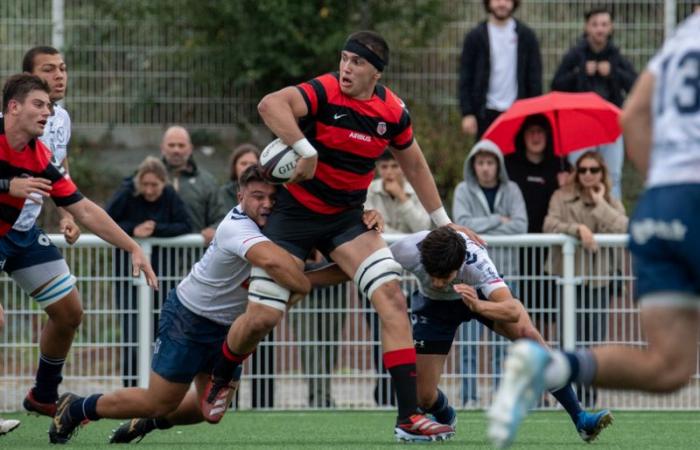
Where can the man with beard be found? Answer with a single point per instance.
(500, 63)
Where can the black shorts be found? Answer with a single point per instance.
(435, 323)
(298, 230)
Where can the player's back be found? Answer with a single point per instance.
(675, 157)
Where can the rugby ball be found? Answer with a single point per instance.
(278, 161)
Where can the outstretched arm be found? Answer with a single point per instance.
(636, 122)
(99, 222)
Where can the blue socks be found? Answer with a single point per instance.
(583, 367)
(48, 377)
(85, 408)
(567, 397)
(440, 409)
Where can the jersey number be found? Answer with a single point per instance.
(687, 101)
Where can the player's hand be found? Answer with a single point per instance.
(469, 296)
(469, 125)
(587, 239)
(295, 298)
(604, 68)
(139, 264)
(145, 229)
(471, 234)
(305, 169)
(373, 219)
(591, 68)
(208, 235)
(25, 187)
(70, 230)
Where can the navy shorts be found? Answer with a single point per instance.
(665, 240)
(187, 343)
(435, 323)
(298, 230)
(22, 249)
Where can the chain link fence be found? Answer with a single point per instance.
(130, 74)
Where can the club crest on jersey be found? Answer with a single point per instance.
(381, 128)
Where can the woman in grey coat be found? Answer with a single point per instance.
(489, 203)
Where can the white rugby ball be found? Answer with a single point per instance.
(278, 161)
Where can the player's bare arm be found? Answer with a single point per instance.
(636, 122)
(280, 111)
(500, 307)
(99, 222)
(280, 265)
(70, 230)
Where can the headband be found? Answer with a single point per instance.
(356, 47)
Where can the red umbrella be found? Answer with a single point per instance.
(578, 120)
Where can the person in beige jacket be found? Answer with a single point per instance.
(580, 209)
(395, 199)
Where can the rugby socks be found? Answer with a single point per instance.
(401, 364)
(48, 377)
(583, 367)
(85, 408)
(567, 398)
(440, 409)
(227, 363)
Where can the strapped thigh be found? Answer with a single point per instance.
(377, 269)
(264, 290)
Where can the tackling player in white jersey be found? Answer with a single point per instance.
(661, 125)
(458, 282)
(194, 323)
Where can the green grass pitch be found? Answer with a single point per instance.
(370, 430)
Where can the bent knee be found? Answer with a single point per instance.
(670, 372)
(264, 322)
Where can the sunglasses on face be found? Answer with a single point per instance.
(593, 170)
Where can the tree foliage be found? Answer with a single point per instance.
(277, 42)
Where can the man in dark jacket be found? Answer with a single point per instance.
(595, 64)
(500, 63)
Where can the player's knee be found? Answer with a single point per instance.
(671, 373)
(380, 270)
(265, 291)
(264, 323)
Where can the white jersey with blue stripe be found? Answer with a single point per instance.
(477, 270)
(56, 136)
(216, 287)
(675, 156)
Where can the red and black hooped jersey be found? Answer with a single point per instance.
(33, 161)
(349, 135)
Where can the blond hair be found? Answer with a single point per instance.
(150, 165)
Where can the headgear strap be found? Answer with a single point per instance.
(356, 47)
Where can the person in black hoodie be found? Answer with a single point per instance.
(538, 173)
(144, 206)
(500, 63)
(595, 64)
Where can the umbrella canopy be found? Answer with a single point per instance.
(579, 120)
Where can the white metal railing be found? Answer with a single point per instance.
(328, 346)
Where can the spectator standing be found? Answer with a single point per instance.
(197, 187)
(595, 64)
(500, 63)
(581, 208)
(242, 157)
(538, 173)
(488, 203)
(144, 206)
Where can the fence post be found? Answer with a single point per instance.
(57, 24)
(669, 17)
(568, 282)
(145, 319)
